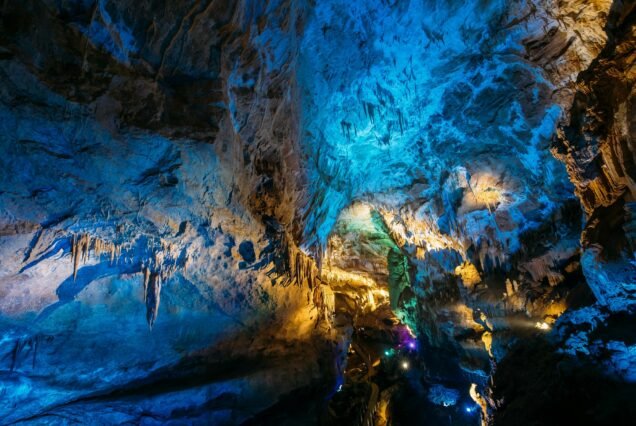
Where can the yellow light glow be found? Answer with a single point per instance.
(486, 338)
(466, 317)
(420, 230)
(360, 211)
(555, 308)
(382, 292)
(542, 326)
(339, 276)
(405, 365)
(468, 273)
(479, 400)
(484, 191)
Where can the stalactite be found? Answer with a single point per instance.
(153, 297)
(164, 261)
(146, 272)
(75, 256)
(84, 247)
(297, 270)
(73, 238)
(81, 246)
(307, 273)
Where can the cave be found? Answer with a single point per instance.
(318, 212)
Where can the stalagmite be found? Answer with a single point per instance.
(481, 401)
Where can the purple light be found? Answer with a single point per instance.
(412, 345)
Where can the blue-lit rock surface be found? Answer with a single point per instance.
(317, 212)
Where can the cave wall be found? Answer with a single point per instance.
(148, 192)
(596, 143)
(585, 369)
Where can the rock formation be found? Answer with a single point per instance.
(317, 212)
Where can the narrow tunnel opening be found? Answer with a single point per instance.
(368, 272)
(376, 306)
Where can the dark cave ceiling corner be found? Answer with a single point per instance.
(317, 212)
